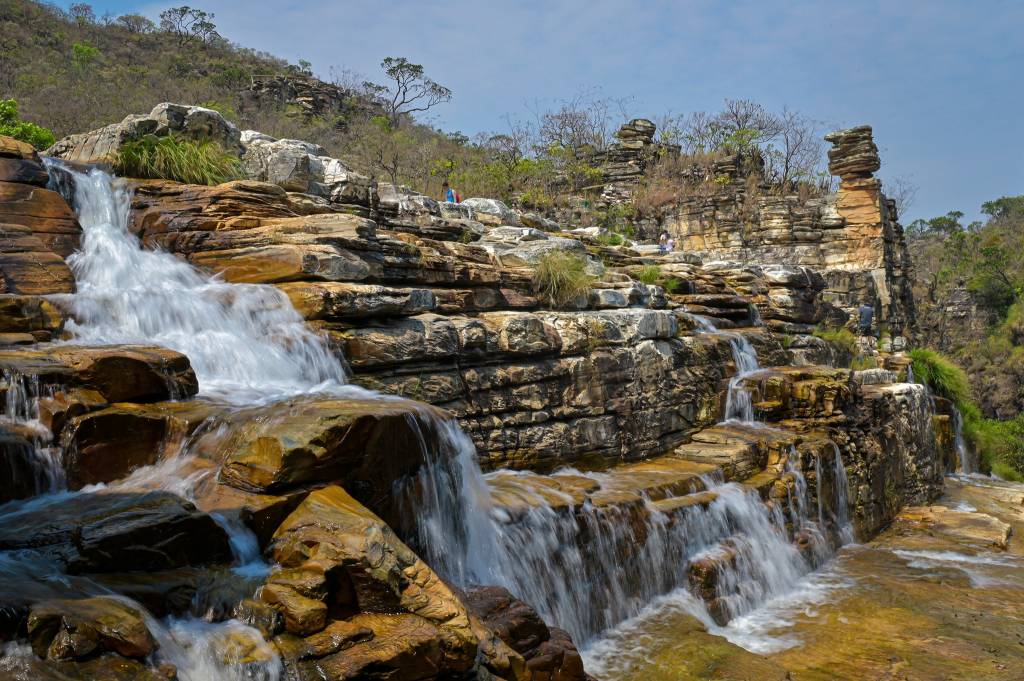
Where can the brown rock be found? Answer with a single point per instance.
(25, 171)
(365, 444)
(30, 314)
(44, 213)
(549, 653)
(119, 531)
(302, 616)
(14, 148)
(74, 629)
(28, 266)
(119, 373)
(107, 445)
(371, 570)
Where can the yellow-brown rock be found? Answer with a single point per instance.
(43, 212)
(73, 629)
(372, 571)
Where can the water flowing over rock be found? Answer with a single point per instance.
(311, 426)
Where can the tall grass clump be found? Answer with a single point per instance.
(649, 274)
(840, 336)
(561, 278)
(1000, 443)
(941, 375)
(178, 159)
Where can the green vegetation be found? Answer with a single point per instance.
(672, 285)
(841, 337)
(561, 277)
(941, 375)
(1000, 443)
(12, 126)
(970, 278)
(175, 158)
(864, 362)
(611, 239)
(649, 274)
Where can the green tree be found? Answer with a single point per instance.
(12, 126)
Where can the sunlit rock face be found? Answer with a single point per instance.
(852, 237)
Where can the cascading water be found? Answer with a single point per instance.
(586, 568)
(967, 466)
(21, 415)
(246, 342)
(738, 404)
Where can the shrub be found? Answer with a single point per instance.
(12, 126)
(841, 337)
(561, 277)
(940, 374)
(610, 239)
(865, 362)
(174, 158)
(649, 274)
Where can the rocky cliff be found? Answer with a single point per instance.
(851, 237)
(366, 516)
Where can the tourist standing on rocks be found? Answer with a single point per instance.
(663, 242)
(450, 195)
(867, 313)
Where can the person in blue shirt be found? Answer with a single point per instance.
(450, 195)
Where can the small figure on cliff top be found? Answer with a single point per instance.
(450, 195)
(866, 313)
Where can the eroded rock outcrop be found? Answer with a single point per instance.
(852, 238)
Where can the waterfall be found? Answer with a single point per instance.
(246, 342)
(587, 568)
(963, 453)
(738, 404)
(21, 416)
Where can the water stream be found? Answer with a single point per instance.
(587, 568)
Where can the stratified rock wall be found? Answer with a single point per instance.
(853, 236)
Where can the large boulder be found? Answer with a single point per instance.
(299, 166)
(365, 444)
(340, 562)
(116, 532)
(103, 145)
(492, 211)
(119, 373)
(75, 629)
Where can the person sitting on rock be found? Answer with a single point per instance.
(866, 314)
(663, 243)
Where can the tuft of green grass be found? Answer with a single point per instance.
(561, 277)
(840, 336)
(178, 159)
(610, 239)
(672, 285)
(862, 363)
(941, 375)
(649, 274)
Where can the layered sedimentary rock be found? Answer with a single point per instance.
(37, 229)
(852, 237)
(626, 160)
(627, 382)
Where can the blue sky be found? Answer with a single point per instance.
(938, 79)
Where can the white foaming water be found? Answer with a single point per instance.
(738, 404)
(246, 342)
(21, 413)
(588, 568)
(963, 453)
